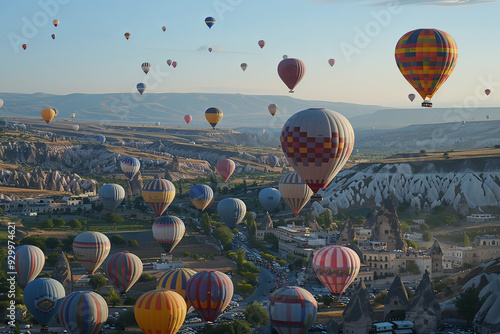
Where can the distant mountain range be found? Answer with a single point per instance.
(169, 108)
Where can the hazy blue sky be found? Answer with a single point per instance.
(91, 55)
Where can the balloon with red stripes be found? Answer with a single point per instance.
(123, 269)
(226, 167)
(83, 312)
(336, 267)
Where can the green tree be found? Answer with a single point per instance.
(244, 287)
(186, 254)
(38, 241)
(224, 235)
(256, 315)
(241, 327)
(113, 218)
(113, 298)
(424, 227)
(272, 239)
(67, 243)
(405, 227)
(130, 300)
(251, 225)
(49, 223)
(97, 281)
(468, 303)
(147, 278)
(52, 258)
(427, 236)
(117, 239)
(52, 243)
(127, 319)
(206, 226)
(219, 329)
(132, 243)
(59, 222)
(466, 240)
(75, 224)
(411, 243)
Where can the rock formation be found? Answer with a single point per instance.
(358, 315)
(487, 319)
(267, 222)
(386, 227)
(436, 255)
(347, 235)
(135, 185)
(396, 298)
(62, 273)
(332, 327)
(424, 310)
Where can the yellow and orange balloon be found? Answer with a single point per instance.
(160, 312)
(48, 114)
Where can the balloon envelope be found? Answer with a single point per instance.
(262, 43)
(141, 87)
(127, 35)
(168, 231)
(226, 168)
(91, 249)
(411, 97)
(83, 312)
(48, 114)
(209, 21)
(29, 262)
(146, 67)
(111, 196)
(213, 116)
(244, 66)
(209, 292)
(295, 191)
(201, 195)
(169, 62)
(231, 211)
(73, 115)
(53, 36)
(336, 267)
(174, 64)
(43, 298)
(317, 143)
(123, 269)
(426, 58)
(55, 22)
(25, 46)
(160, 312)
(188, 118)
(291, 71)
(1, 103)
(487, 91)
(130, 166)
(158, 193)
(331, 61)
(176, 280)
(164, 28)
(76, 127)
(292, 310)
(269, 198)
(101, 139)
(273, 108)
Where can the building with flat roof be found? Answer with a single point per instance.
(480, 218)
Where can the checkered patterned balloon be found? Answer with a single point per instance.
(317, 143)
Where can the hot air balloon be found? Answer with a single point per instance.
(336, 267)
(174, 64)
(101, 139)
(73, 115)
(25, 46)
(269, 198)
(158, 193)
(285, 57)
(231, 211)
(29, 262)
(244, 66)
(76, 127)
(91, 249)
(487, 116)
(188, 118)
(141, 87)
(53, 36)
(164, 28)
(157, 123)
(55, 22)
(226, 167)
(48, 114)
(169, 62)
(111, 196)
(262, 43)
(291, 71)
(130, 166)
(42, 298)
(487, 92)
(209, 292)
(273, 108)
(292, 310)
(168, 231)
(411, 97)
(317, 143)
(331, 61)
(210, 49)
(123, 269)
(83, 312)
(160, 312)
(295, 191)
(210, 22)
(426, 58)
(201, 195)
(146, 67)
(272, 161)
(213, 116)
(127, 35)
(176, 280)
(1, 103)
(209, 204)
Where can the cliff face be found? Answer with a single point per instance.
(423, 185)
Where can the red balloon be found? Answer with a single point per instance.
(291, 71)
(262, 43)
(25, 46)
(331, 62)
(188, 118)
(487, 91)
(174, 64)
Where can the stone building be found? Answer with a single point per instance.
(424, 310)
(436, 255)
(396, 300)
(358, 315)
(386, 227)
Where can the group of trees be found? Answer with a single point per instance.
(255, 315)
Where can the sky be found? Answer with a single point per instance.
(91, 55)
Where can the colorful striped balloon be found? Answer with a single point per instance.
(158, 193)
(201, 195)
(168, 231)
(209, 292)
(176, 280)
(292, 310)
(295, 191)
(123, 269)
(226, 168)
(43, 298)
(160, 312)
(130, 166)
(29, 263)
(336, 267)
(91, 249)
(83, 312)
(214, 116)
